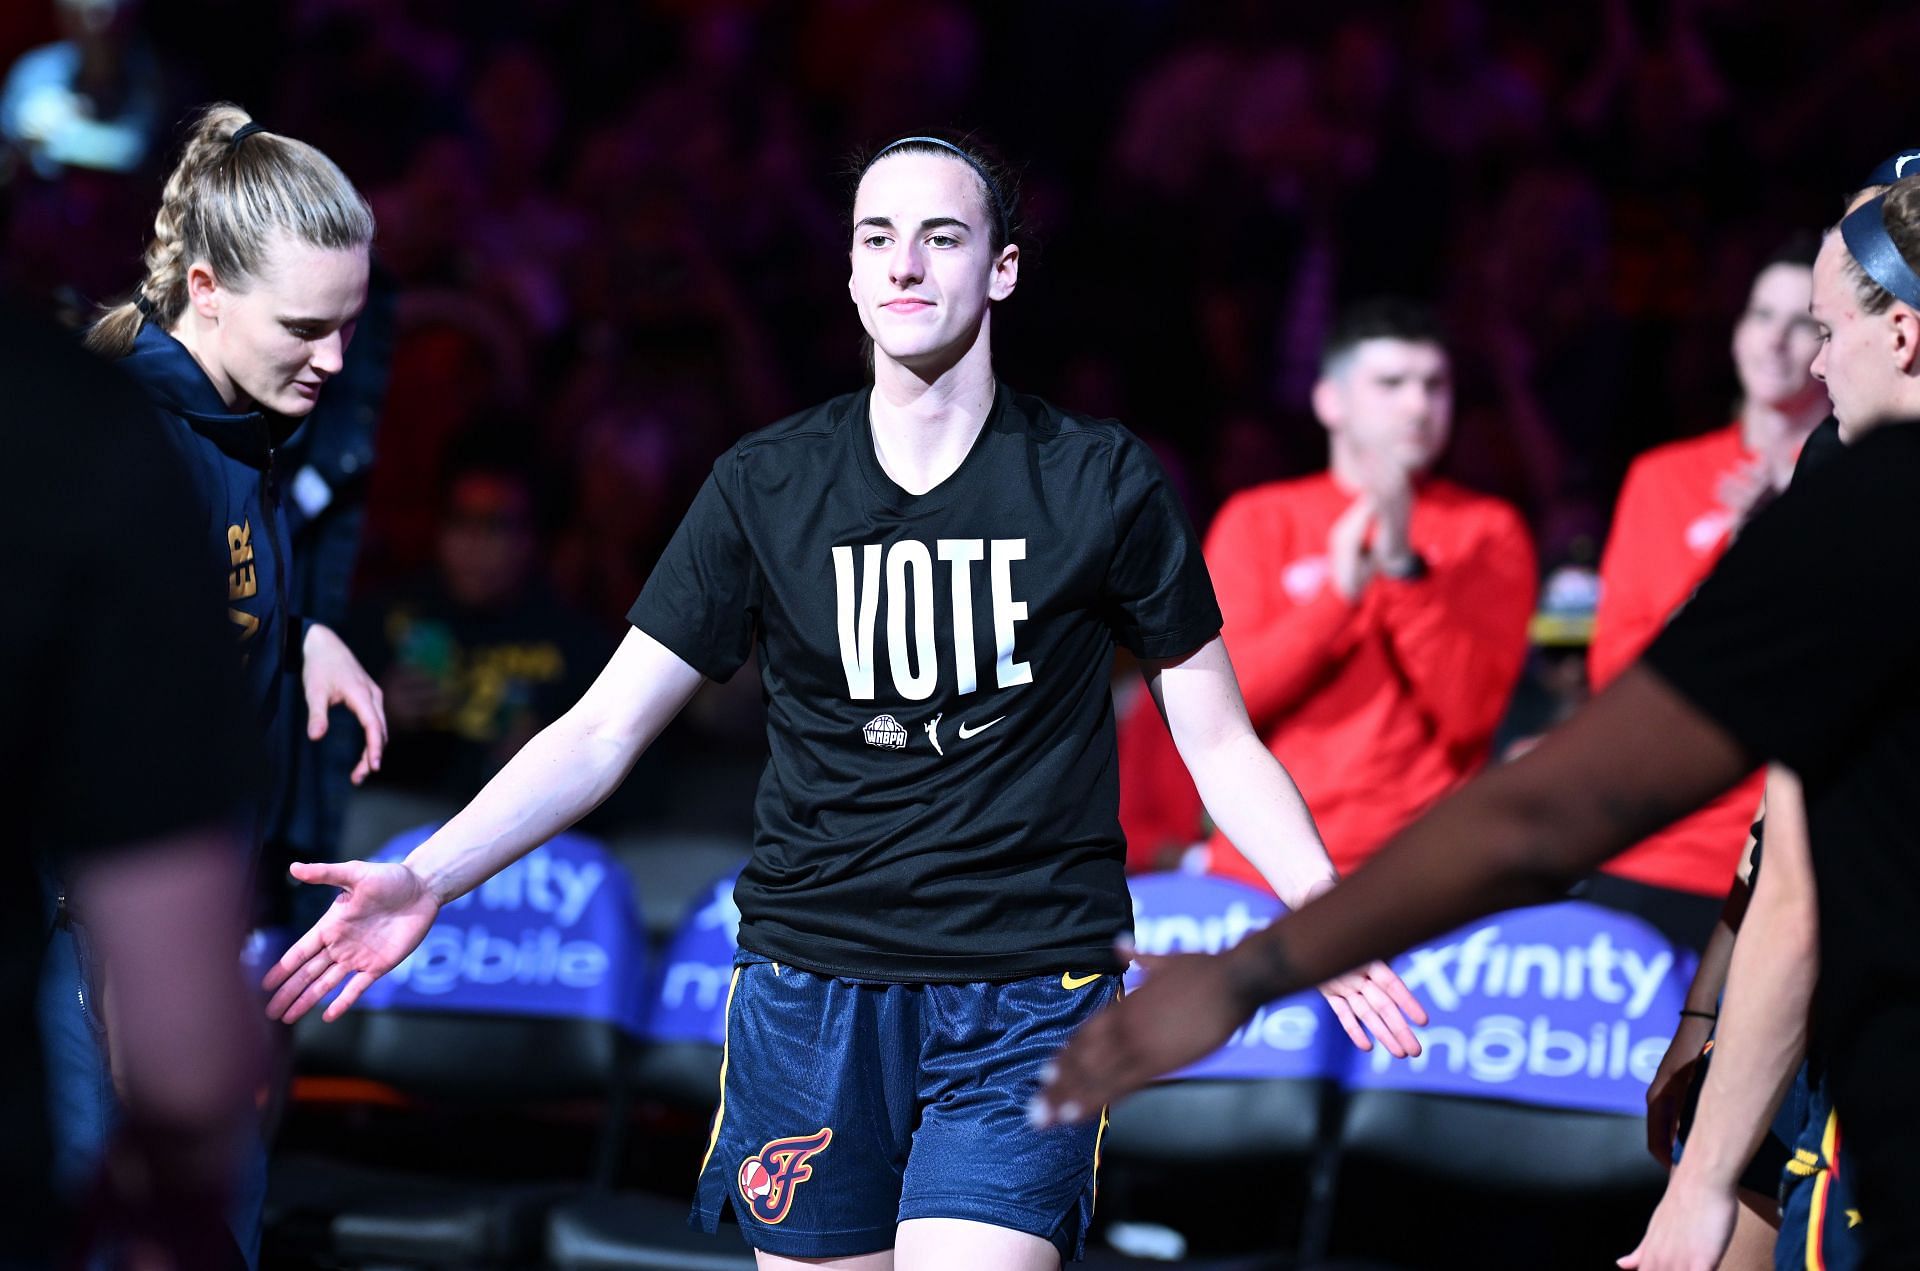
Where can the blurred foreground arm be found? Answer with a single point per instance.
(188, 1045)
(1632, 761)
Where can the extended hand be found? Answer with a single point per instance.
(1374, 997)
(332, 676)
(1186, 1009)
(382, 913)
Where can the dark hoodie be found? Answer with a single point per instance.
(230, 456)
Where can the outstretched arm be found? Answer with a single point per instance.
(567, 770)
(1636, 758)
(1253, 800)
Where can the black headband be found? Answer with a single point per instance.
(241, 133)
(997, 208)
(1865, 233)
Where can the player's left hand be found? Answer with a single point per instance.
(1689, 1230)
(1374, 1000)
(1672, 1081)
(332, 676)
(1186, 1009)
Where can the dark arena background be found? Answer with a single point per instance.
(612, 239)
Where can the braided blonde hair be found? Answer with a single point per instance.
(221, 204)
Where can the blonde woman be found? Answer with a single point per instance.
(255, 275)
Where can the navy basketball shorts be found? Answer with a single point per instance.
(1819, 1215)
(848, 1107)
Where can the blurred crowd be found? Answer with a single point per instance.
(614, 231)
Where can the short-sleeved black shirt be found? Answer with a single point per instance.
(940, 799)
(1805, 646)
(119, 702)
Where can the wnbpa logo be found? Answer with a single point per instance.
(767, 1180)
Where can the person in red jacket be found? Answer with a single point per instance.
(1376, 615)
(1676, 515)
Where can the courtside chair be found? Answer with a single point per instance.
(1250, 1121)
(675, 868)
(488, 1070)
(1518, 1140)
(677, 1074)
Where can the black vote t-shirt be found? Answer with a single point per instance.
(940, 801)
(1805, 646)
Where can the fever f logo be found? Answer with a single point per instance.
(768, 1179)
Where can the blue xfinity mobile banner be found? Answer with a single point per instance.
(1566, 1005)
(554, 934)
(1295, 1037)
(691, 1002)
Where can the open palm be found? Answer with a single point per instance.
(382, 913)
(1374, 1000)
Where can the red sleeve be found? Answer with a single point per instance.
(1459, 634)
(1633, 603)
(1280, 651)
(1160, 810)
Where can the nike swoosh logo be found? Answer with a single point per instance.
(1069, 981)
(966, 732)
(1900, 166)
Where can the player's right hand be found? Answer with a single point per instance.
(382, 913)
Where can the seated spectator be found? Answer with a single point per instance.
(1676, 515)
(82, 121)
(478, 655)
(457, 362)
(624, 498)
(94, 99)
(1377, 616)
